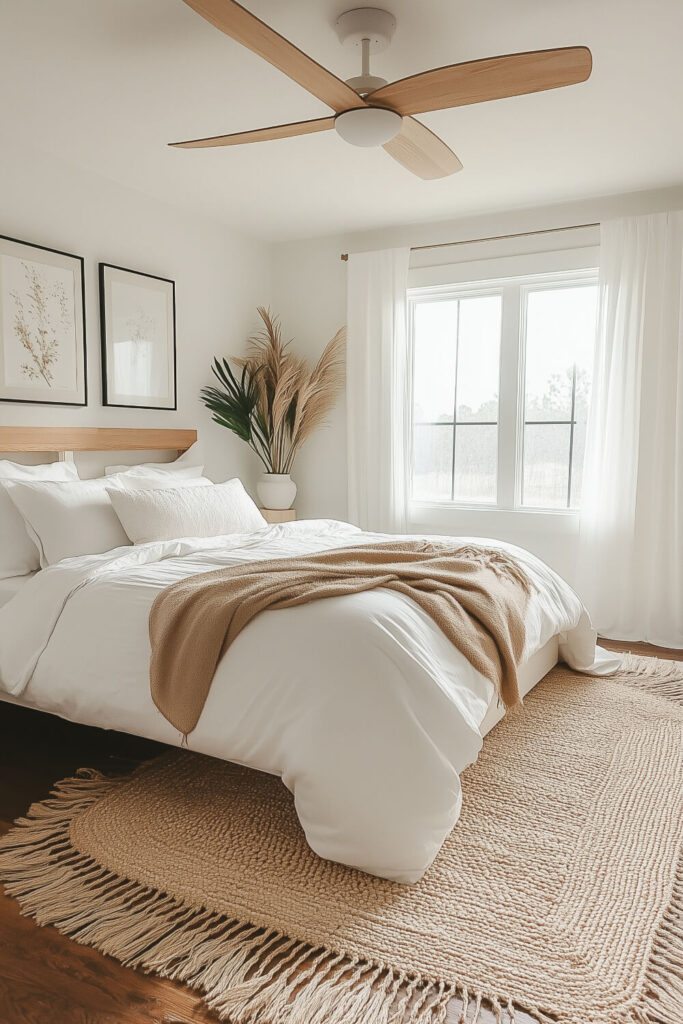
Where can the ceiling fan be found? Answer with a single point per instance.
(370, 112)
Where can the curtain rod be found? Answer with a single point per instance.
(495, 238)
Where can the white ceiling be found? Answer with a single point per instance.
(107, 83)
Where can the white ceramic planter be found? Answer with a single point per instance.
(276, 490)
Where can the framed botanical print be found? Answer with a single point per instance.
(42, 325)
(137, 317)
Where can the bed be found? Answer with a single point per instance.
(359, 703)
(12, 586)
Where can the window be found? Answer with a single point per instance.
(455, 389)
(558, 349)
(501, 384)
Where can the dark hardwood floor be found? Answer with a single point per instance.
(648, 650)
(45, 977)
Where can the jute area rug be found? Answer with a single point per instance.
(560, 891)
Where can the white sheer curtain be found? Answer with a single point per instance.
(630, 571)
(377, 389)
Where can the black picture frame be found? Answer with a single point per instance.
(80, 261)
(106, 331)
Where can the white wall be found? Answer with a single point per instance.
(220, 279)
(309, 293)
(309, 290)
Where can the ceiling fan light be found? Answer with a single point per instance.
(368, 126)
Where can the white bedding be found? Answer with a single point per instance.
(12, 586)
(360, 703)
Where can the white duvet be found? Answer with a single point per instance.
(359, 703)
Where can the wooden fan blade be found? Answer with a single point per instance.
(490, 79)
(278, 131)
(422, 152)
(247, 29)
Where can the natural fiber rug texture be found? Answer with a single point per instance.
(560, 890)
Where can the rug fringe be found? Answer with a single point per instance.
(664, 999)
(247, 973)
(659, 676)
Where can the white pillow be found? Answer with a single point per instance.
(187, 512)
(157, 469)
(185, 465)
(18, 553)
(77, 518)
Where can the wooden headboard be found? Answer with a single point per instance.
(93, 439)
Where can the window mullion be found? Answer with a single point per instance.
(455, 400)
(508, 416)
(572, 424)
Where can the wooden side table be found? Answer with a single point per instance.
(278, 515)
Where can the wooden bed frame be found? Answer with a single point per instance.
(64, 441)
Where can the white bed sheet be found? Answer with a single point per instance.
(359, 703)
(12, 586)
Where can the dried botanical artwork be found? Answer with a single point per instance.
(40, 343)
(42, 318)
(141, 326)
(134, 353)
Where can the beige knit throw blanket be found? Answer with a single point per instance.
(476, 595)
